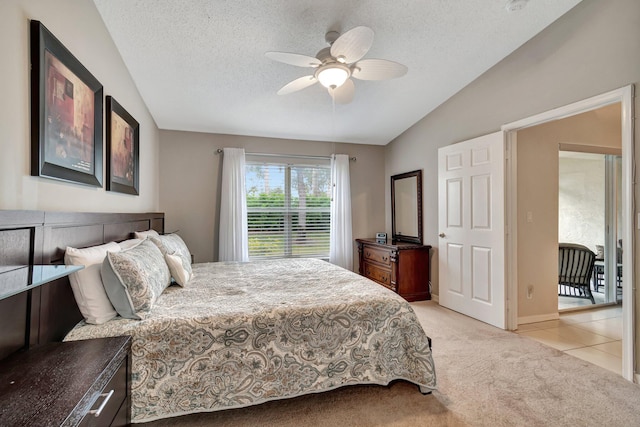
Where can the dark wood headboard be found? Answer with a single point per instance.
(47, 313)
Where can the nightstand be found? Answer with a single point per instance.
(76, 383)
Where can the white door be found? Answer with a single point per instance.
(471, 200)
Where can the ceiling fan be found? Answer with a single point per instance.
(334, 65)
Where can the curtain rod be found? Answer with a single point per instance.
(294, 156)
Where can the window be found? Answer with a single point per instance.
(288, 209)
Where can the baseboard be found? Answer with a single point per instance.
(435, 298)
(538, 318)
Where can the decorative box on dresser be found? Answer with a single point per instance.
(399, 266)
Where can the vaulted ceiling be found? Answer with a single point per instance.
(200, 65)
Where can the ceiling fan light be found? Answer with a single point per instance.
(332, 76)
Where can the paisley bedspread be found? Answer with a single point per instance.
(240, 334)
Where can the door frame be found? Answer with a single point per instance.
(625, 97)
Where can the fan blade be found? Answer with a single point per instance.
(352, 45)
(343, 94)
(294, 59)
(377, 69)
(297, 84)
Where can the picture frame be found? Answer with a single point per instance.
(66, 113)
(123, 149)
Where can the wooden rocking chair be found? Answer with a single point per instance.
(575, 270)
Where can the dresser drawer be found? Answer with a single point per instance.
(112, 397)
(378, 255)
(380, 275)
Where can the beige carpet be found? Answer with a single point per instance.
(486, 377)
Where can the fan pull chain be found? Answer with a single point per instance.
(333, 117)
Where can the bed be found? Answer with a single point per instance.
(240, 334)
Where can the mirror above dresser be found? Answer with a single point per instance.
(406, 207)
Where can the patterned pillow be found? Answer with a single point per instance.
(172, 244)
(135, 278)
(128, 244)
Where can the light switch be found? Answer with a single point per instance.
(529, 216)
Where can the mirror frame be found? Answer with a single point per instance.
(404, 238)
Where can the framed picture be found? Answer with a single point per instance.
(66, 113)
(123, 148)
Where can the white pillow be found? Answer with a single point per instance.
(145, 234)
(172, 244)
(87, 283)
(176, 267)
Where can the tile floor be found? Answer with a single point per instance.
(568, 302)
(593, 335)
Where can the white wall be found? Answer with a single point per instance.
(79, 27)
(581, 200)
(190, 183)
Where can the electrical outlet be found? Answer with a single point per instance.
(530, 292)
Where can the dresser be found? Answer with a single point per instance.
(401, 267)
(77, 383)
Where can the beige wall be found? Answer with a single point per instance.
(538, 243)
(586, 52)
(191, 172)
(79, 27)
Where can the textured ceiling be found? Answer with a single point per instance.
(200, 65)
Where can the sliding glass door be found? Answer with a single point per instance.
(589, 214)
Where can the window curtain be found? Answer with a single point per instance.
(234, 240)
(340, 243)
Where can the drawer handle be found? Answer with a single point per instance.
(368, 254)
(107, 396)
(384, 258)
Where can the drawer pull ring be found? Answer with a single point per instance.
(107, 396)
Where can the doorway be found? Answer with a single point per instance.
(517, 289)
